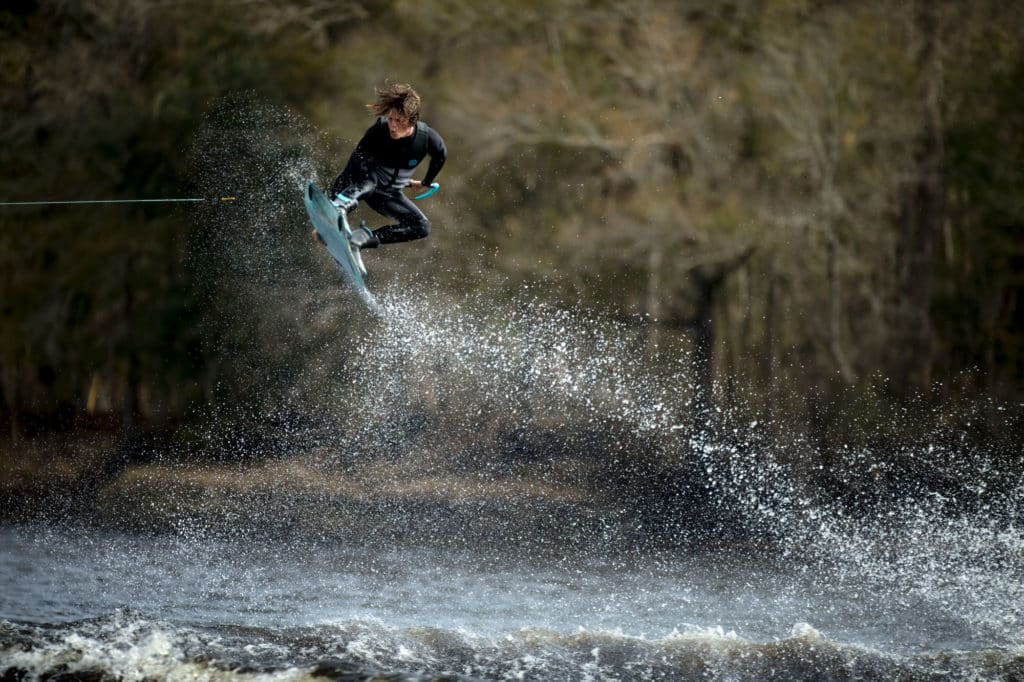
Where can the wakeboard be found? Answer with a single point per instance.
(332, 227)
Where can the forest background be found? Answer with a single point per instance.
(817, 204)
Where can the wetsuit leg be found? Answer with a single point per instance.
(355, 180)
(412, 224)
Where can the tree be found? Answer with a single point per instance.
(99, 101)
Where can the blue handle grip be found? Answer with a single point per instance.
(433, 188)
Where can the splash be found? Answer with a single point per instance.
(434, 387)
(506, 390)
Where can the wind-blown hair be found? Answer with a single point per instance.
(400, 96)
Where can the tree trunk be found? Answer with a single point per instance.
(708, 281)
(768, 346)
(921, 221)
(130, 406)
(835, 311)
(702, 362)
(10, 398)
(652, 303)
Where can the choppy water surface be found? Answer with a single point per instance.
(84, 600)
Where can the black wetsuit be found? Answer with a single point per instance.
(378, 170)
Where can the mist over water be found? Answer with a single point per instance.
(503, 487)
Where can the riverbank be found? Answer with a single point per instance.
(310, 497)
(584, 488)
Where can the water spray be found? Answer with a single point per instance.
(176, 200)
(172, 200)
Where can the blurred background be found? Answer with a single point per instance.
(815, 207)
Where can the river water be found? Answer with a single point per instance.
(122, 606)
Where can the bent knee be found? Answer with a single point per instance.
(420, 229)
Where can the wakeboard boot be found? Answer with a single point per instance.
(362, 238)
(345, 203)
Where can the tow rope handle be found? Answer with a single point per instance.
(433, 188)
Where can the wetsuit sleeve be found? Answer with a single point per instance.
(369, 147)
(438, 154)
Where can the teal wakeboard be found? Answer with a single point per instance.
(332, 226)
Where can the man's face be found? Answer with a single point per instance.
(398, 125)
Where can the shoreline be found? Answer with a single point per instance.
(307, 499)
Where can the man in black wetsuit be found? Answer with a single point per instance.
(382, 164)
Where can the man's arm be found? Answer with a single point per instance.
(370, 145)
(438, 154)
